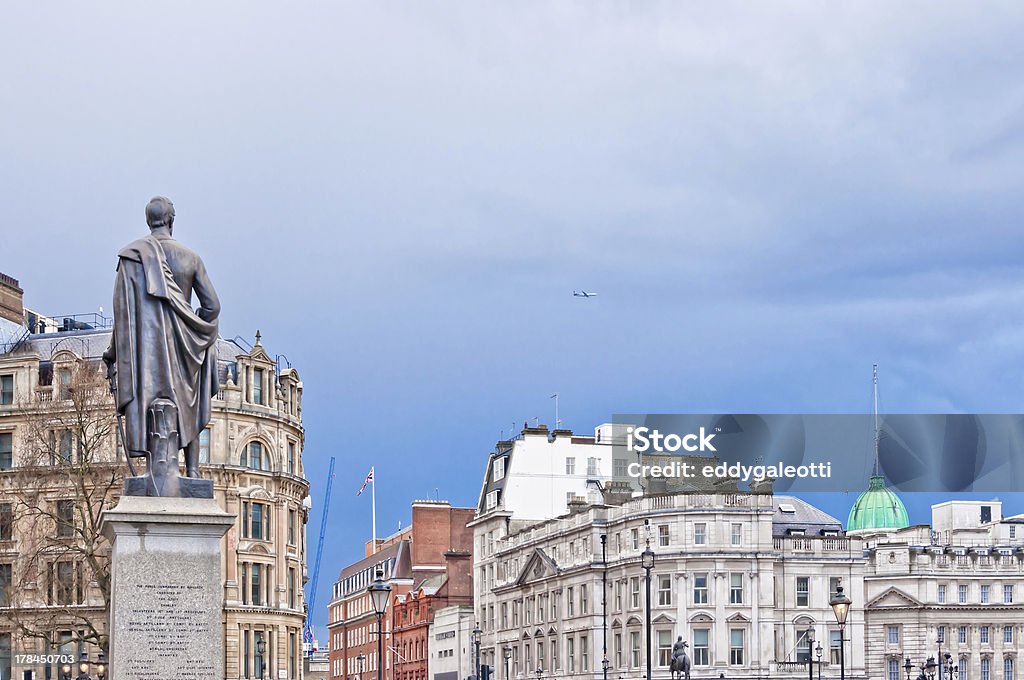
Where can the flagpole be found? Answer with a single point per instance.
(373, 502)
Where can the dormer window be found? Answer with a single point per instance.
(257, 385)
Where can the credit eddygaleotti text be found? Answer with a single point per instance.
(643, 440)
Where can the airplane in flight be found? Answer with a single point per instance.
(583, 294)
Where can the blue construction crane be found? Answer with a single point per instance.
(307, 632)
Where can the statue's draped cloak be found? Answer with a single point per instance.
(163, 348)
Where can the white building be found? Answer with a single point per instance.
(740, 576)
(956, 587)
(450, 643)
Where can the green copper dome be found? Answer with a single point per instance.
(877, 508)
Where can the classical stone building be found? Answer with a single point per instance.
(60, 465)
(741, 577)
(955, 587)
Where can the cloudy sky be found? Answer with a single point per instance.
(402, 197)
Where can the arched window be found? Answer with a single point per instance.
(255, 457)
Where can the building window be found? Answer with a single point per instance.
(700, 647)
(984, 594)
(962, 635)
(570, 601)
(700, 588)
(634, 649)
(736, 535)
(65, 519)
(894, 669)
(664, 648)
(570, 466)
(291, 587)
(255, 581)
(942, 594)
(634, 536)
(65, 583)
(1008, 635)
(6, 451)
(617, 647)
(292, 640)
(255, 520)
(6, 578)
(634, 592)
(835, 645)
(700, 533)
(893, 634)
(583, 600)
(985, 664)
(584, 654)
(619, 467)
(940, 634)
(6, 522)
(983, 632)
(664, 591)
(736, 647)
(1008, 668)
(663, 535)
(962, 665)
(803, 591)
(570, 654)
(6, 390)
(1008, 594)
(257, 385)
(64, 382)
(257, 459)
(491, 500)
(735, 588)
(961, 591)
(499, 470)
(291, 527)
(803, 647)
(204, 446)
(554, 655)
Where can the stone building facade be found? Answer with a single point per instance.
(252, 450)
(955, 587)
(741, 577)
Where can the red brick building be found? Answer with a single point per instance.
(428, 565)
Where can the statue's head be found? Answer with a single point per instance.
(160, 213)
(679, 639)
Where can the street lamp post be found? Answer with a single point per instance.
(927, 669)
(540, 672)
(360, 661)
(380, 593)
(840, 604)
(261, 649)
(810, 650)
(506, 653)
(948, 671)
(604, 604)
(819, 650)
(647, 562)
(477, 635)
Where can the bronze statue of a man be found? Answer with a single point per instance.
(162, 357)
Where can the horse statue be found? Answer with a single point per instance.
(680, 660)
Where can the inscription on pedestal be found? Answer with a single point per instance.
(168, 629)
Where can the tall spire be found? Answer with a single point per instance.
(874, 380)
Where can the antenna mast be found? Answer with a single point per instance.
(874, 380)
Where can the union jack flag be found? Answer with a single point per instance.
(369, 478)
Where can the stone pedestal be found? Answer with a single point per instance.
(167, 592)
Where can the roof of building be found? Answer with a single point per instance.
(877, 508)
(795, 515)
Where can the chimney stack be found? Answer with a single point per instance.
(11, 299)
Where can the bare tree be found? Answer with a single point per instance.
(69, 471)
